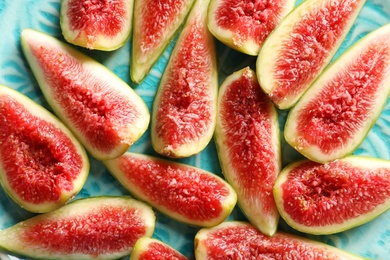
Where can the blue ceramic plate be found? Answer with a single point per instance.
(371, 240)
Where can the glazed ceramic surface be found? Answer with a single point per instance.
(371, 240)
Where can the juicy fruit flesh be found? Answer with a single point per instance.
(308, 47)
(160, 251)
(245, 242)
(97, 17)
(256, 18)
(333, 118)
(154, 33)
(245, 118)
(315, 195)
(40, 162)
(116, 231)
(185, 106)
(179, 189)
(90, 104)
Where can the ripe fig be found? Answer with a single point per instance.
(327, 198)
(155, 25)
(333, 117)
(92, 228)
(42, 165)
(99, 25)
(302, 45)
(105, 113)
(244, 25)
(184, 108)
(183, 192)
(248, 145)
(240, 240)
(148, 248)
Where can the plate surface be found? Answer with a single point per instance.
(371, 240)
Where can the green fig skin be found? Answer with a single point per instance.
(48, 181)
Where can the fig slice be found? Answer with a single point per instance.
(154, 27)
(244, 25)
(148, 248)
(329, 198)
(98, 25)
(104, 112)
(184, 108)
(302, 45)
(240, 240)
(333, 117)
(185, 193)
(248, 145)
(91, 228)
(42, 165)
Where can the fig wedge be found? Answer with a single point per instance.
(240, 240)
(148, 248)
(104, 113)
(302, 45)
(154, 27)
(42, 165)
(97, 25)
(244, 25)
(334, 116)
(328, 198)
(183, 192)
(92, 228)
(248, 145)
(184, 108)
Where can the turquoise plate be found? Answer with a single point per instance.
(371, 240)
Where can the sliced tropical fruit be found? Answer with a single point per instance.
(248, 145)
(337, 112)
(105, 113)
(148, 248)
(154, 27)
(183, 192)
(42, 165)
(328, 198)
(244, 25)
(98, 25)
(92, 228)
(184, 109)
(302, 45)
(240, 240)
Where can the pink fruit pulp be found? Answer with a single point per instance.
(109, 229)
(245, 116)
(307, 48)
(89, 103)
(40, 161)
(255, 18)
(152, 30)
(246, 242)
(185, 110)
(344, 105)
(319, 195)
(94, 17)
(185, 191)
(160, 251)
